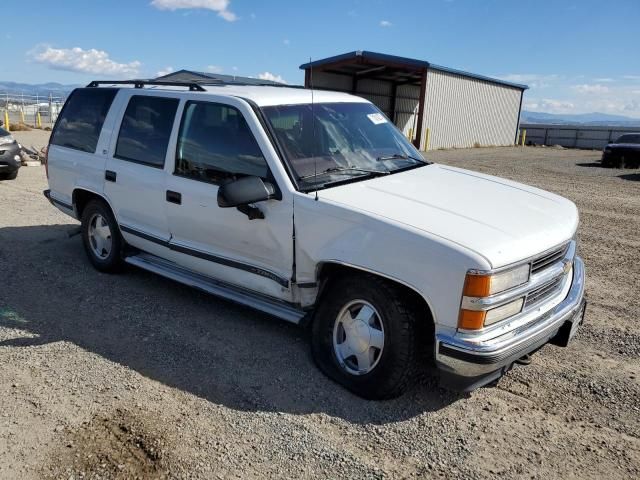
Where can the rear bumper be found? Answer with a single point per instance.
(466, 365)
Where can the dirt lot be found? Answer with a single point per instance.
(129, 376)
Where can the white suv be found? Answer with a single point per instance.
(313, 207)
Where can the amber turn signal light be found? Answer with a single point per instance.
(477, 286)
(471, 319)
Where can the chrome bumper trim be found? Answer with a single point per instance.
(462, 355)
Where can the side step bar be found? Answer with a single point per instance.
(174, 272)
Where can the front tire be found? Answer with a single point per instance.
(101, 237)
(364, 337)
(10, 176)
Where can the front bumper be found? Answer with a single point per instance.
(10, 160)
(466, 365)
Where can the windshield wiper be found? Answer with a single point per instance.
(400, 156)
(371, 173)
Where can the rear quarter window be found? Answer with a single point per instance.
(80, 122)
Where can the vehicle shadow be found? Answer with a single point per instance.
(225, 353)
(634, 177)
(590, 164)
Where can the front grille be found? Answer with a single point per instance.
(549, 259)
(542, 293)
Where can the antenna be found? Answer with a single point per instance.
(313, 127)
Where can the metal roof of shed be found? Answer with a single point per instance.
(192, 75)
(391, 68)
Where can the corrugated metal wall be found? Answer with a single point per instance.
(379, 92)
(407, 99)
(331, 81)
(463, 111)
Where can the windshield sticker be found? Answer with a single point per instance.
(377, 118)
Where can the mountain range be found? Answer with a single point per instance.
(594, 118)
(44, 89)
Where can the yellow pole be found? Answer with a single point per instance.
(427, 136)
(38, 120)
(523, 137)
(6, 120)
(411, 134)
(22, 116)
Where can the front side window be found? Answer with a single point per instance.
(82, 117)
(216, 145)
(329, 143)
(145, 130)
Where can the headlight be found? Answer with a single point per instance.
(485, 285)
(6, 139)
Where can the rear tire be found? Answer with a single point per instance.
(101, 237)
(364, 337)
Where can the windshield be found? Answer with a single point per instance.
(629, 138)
(351, 141)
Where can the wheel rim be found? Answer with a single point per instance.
(358, 337)
(99, 236)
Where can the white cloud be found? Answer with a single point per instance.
(164, 71)
(533, 80)
(219, 6)
(385, 23)
(286, 42)
(590, 88)
(631, 77)
(271, 76)
(84, 61)
(549, 105)
(214, 69)
(603, 80)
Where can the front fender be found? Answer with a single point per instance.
(433, 267)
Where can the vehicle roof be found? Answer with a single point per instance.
(262, 95)
(267, 96)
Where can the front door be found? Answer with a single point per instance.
(217, 144)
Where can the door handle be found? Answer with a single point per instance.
(174, 197)
(110, 176)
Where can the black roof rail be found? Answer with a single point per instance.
(247, 84)
(193, 86)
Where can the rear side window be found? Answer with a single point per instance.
(215, 145)
(145, 130)
(81, 119)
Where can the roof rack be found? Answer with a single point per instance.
(193, 86)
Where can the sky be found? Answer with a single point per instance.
(577, 56)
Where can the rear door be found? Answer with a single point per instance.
(134, 173)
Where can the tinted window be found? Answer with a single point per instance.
(630, 138)
(145, 130)
(81, 119)
(215, 144)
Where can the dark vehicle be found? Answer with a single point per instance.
(623, 153)
(9, 156)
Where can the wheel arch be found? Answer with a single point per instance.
(327, 269)
(82, 196)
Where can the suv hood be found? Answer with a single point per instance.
(501, 220)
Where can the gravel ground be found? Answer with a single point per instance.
(126, 376)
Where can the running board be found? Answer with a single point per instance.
(260, 302)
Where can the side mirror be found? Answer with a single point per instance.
(244, 191)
